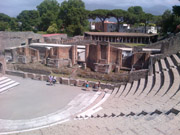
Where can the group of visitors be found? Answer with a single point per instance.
(52, 80)
(96, 86)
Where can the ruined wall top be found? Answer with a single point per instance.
(14, 39)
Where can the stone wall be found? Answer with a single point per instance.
(23, 54)
(92, 58)
(61, 56)
(60, 80)
(168, 46)
(140, 60)
(2, 65)
(56, 39)
(14, 39)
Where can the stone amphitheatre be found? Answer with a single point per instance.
(141, 98)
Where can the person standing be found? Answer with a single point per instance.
(99, 86)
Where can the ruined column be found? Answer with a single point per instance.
(76, 53)
(125, 39)
(133, 40)
(90, 37)
(98, 52)
(140, 39)
(108, 53)
(51, 52)
(119, 58)
(26, 51)
(86, 53)
(73, 55)
(37, 55)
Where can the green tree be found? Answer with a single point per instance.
(30, 20)
(4, 18)
(74, 16)
(3, 26)
(137, 10)
(48, 10)
(167, 20)
(14, 24)
(176, 10)
(145, 18)
(4, 22)
(52, 29)
(120, 15)
(101, 14)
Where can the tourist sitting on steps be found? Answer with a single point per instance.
(54, 80)
(87, 85)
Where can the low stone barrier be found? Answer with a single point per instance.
(135, 75)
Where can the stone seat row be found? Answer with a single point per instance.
(159, 91)
(133, 125)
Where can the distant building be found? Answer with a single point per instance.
(108, 26)
(122, 37)
(141, 29)
(92, 26)
(124, 27)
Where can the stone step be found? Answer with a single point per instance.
(127, 89)
(121, 89)
(5, 80)
(7, 83)
(163, 65)
(170, 62)
(133, 89)
(9, 86)
(156, 67)
(141, 87)
(176, 59)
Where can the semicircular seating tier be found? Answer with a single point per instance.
(149, 106)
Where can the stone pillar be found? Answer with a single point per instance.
(37, 55)
(140, 39)
(98, 52)
(86, 53)
(46, 53)
(119, 58)
(125, 39)
(76, 53)
(14, 55)
(26, 51)
(90, 37)
(73, 55)
(108, 53)
(122, 40)
(149, 40)
(51, 52)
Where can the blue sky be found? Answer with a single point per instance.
(14, 7)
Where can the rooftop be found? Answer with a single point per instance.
(120, 34)
(50, 35)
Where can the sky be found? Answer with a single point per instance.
(156, 7)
